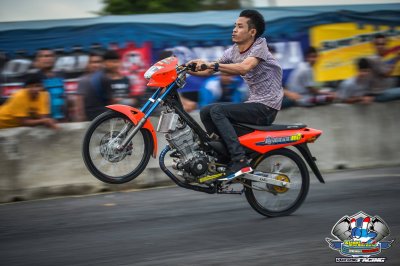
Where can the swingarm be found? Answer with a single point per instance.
(270, 179)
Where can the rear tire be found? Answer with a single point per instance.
(278, 201)
(101, 157)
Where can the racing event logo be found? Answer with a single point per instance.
(359, 238)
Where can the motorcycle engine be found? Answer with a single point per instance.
(189, 160)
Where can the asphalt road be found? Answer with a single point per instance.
(174, 226)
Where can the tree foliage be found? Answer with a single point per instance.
(125, 7)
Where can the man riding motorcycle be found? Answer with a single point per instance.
(250, 58)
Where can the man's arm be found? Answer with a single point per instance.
(239, 68)
(313, 90)
(234, 69)
(45, 121)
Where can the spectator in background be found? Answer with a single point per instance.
(360, 88)
(119, 84)
(357, 89)
(103, 87)
(383, 85)
(28, 106)
(52, 82)
(222, 88)
(290, 98)
(302, 86)
(95, 63)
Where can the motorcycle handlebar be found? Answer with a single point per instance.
(192, 67)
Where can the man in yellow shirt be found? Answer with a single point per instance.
(28, 106)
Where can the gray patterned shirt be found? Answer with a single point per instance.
(265, 80)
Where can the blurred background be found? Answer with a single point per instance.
(69, 42)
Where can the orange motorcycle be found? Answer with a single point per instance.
(118, 144)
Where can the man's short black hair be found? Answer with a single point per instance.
(310, 50)
(363, 64)
(95, 53)
(33, 78)
(42, 49)
(256, 20)
(111, 55)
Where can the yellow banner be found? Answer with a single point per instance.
(341, 44)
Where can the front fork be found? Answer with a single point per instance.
(140, 121)
(129, 137)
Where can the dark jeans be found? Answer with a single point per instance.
(217, 118)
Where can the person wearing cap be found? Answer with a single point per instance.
(29, 106)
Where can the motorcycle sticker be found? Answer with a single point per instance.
(280, 140)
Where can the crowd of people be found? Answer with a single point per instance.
(42, 101)
(102, 85)
(372, 83)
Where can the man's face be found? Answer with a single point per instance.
(95, 63)
(380, 46)
(112, 65)
(34, 89)
(364, 74)
(45, 59)
(241, 32)
(312, 58)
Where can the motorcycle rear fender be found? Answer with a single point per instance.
(305, 151)
(135, 115)
(265, 141)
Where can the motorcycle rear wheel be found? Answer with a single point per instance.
(273, 201)
(100, 153)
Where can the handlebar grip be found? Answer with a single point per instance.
(203, 67)
(192, 67)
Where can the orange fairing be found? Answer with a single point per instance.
(265, 141)
(135, 115)
(162, 73)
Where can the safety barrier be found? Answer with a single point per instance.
(38, 162)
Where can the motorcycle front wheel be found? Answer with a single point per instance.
(272, 201)
(102, 157)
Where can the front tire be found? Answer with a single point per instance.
(273, 201)
(104, 160)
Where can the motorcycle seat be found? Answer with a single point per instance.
(274, 127)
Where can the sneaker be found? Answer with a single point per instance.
(237, 169)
